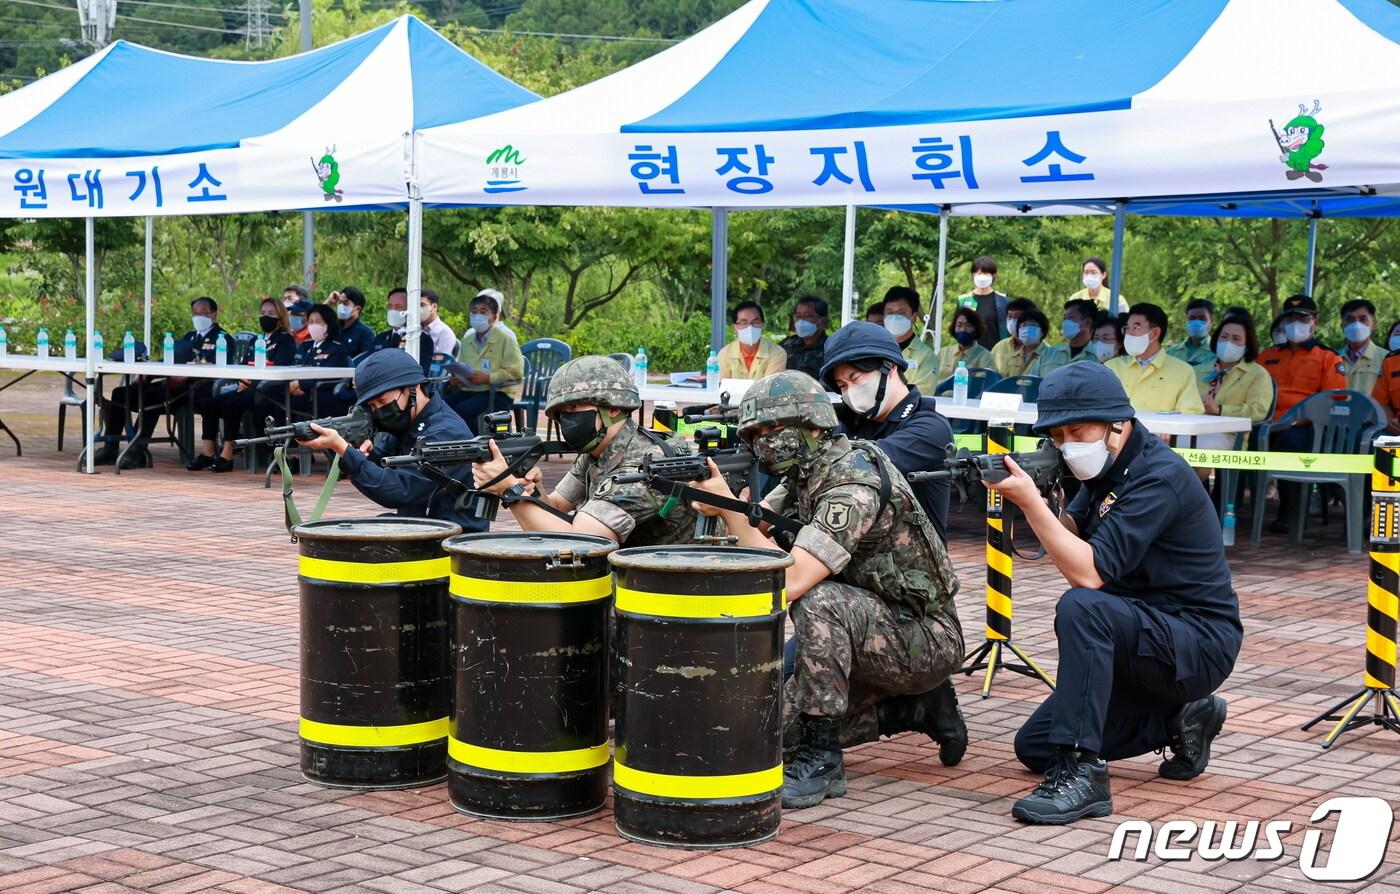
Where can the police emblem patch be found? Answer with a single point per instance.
(837, 515)
(1107, 504)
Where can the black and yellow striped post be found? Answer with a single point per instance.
(698, 711)
(529, 731)
(374, 658)
(991, 655)
(1382, 607)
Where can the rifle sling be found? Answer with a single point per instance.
(755, 512)
(291, 517)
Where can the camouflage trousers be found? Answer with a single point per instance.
(854, 650)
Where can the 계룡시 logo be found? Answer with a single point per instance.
(1300, 143)
(503, 170)
(328, 173)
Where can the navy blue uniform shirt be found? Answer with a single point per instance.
(390, 338)
(407, 490)
(193, 347)
(281, 348)
(357, 338)
(915, 437)
(1156, 539)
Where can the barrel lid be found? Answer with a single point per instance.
(700, 559)
(382, 528)
(528, 545)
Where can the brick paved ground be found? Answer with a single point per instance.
(147, 738)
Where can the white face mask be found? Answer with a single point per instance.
(1297, 332)
(750, 335)
(202, 324)
(1086, 460)
(1228, 351)
(1091, 281)
(982, 280)
(317, 330)
(398, 319)
(342, 310)
(1136, 345)
(861, 397)
(1356, 332)
(1280, 338)
(1103, 350)
(898, 325)
(480, 323)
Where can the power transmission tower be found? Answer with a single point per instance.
(97, 18)
(258, 30)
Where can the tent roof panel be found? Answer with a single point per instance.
(449, 85)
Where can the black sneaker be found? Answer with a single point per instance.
(934, 713)
(221, 465)
(1190, 731)
(816, 771)
(1073, 789)
(200, 463)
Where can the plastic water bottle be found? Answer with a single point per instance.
(221, 351)
(712, 371)
(639, 368)
(4, 343)
(167, 348)
(41, 342)
(260, 352)
(960, 383)
(1227, 525)
(70, 345)
(128, 347)
(98, 345)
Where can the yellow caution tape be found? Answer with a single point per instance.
(373, 736)
(665, 785)
(666, 605)
(373, 572)
(1259, 461)
(476, 589)
(527, 762)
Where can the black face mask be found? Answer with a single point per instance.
(580, 430)
(393, 418)
(269, 324)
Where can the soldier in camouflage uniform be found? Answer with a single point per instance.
(592, 399)
(871, 587)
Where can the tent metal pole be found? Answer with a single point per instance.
(90, 361)
(938, 289)
(146, 323)
(719, 275)
(308, 225)
(1120, 222)
(848, 267)
(1312, 253)
(415, 251)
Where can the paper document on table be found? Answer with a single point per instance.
(995, 400)
(688, 379)
(457, 370)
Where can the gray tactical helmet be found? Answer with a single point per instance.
(785, 398)
(592, 380)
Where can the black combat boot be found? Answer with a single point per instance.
(1190, 731)
(934, 713)
(816, 771)
(1074, 787)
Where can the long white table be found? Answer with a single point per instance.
(1174, 424)
(228, 371)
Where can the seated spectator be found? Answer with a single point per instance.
(349, 304)
(987, 302)
(1034, 357)
(1387, 388)
(296, 318)
(444, 340)
(397, 317)
(1195, 349)
(806, 347)
(199, 345)
(750, 355)
(230, 406)
(500, 300)
(904, 321)
(1276, 333)
(322, 347)
(293, 294)
(497, 366)
(875, 313)
(1094, 274)
(966, 330)
(1108, 337)
(1155, 381)
(1003, 351)
(1077, 326)
(1237, 386)
(1361, 357)
(1301, 368)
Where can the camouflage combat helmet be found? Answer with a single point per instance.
(592, 380)
(785, 398)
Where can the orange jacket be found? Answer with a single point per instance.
(1387, 389)
(1301, 371)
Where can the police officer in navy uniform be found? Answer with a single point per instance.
(393, 337)
(323, 347)
(1150, 626)
(390, 384)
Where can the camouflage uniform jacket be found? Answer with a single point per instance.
(636, 513)
(889, 550)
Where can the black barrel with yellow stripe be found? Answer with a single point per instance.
(698, 730)
(529, 729)
(375, 677)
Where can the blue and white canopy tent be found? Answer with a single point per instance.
(136, 132)
(1014, 104)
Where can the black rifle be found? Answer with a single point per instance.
(355, 427)
(520, 449)
(966, 468)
